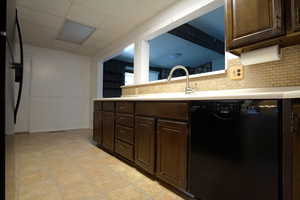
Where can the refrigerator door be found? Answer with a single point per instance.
(7, 32)
(7, 29)
(235, 150)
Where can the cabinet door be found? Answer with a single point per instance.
(95, 126)
(293, 13)
(99, 127)
(172, 152)
(296, 152)
(108, 130)
(251, 21)
(145, 143)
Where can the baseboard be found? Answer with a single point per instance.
(60, 130)
(20, 133)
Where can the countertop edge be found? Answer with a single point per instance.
(255, 93)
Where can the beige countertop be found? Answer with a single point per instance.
(255, 93)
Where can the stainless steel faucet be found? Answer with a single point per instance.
(188, 89)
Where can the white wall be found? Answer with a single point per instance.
(56, 90)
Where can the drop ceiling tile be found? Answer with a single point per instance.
(44, 37)
(85, 15)
(36, 36)
(31, 30)
(55, 7)
(57, 44)
(40, 18)
(149, 8)
(110, 7)
(103, 36)
(86, 51)
(92, 42)
(119, 25)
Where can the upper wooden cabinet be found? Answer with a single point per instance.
(251, 21)
(293, 16)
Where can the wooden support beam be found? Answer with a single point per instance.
(196, 36)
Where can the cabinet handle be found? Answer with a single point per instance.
(121, 118)
(122, 131)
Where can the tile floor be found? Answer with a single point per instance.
(67, 166)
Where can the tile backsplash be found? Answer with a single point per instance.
(283, 73)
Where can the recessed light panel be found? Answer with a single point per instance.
(75, 32)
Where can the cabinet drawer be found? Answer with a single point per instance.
(123, 149)
(108, 106)
(124, 134)
(169, 110)
(125, 107)
(97, 105)
(125, 120)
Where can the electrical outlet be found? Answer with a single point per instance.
(236, 72)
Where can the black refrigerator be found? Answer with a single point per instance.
(11, 72)
(236, 150)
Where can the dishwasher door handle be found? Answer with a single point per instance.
(216, 115)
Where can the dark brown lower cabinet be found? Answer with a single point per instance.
(296, 153)
(172, 138)
(97, 127)
(108, 130)
(154, 136)
(145, 143)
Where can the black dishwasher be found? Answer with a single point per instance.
(235, 150)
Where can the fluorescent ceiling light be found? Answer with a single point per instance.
(75, 32)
